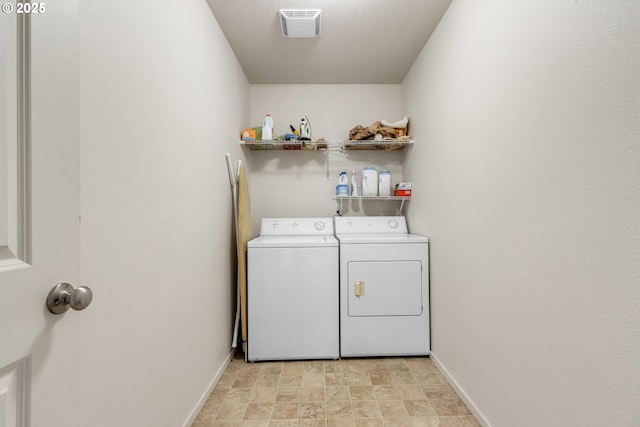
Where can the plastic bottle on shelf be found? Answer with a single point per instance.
(354, 183)
(267, 128)
(369, 181)
(342, 189)
(384, 180)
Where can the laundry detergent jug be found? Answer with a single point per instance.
(369, 181)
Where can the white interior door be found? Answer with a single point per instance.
(39, 213)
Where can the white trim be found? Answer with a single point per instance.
(458, 389)
(194, 414)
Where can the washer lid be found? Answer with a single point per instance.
(293, 242)
(380, 238)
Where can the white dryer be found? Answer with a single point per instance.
(384, 288)
(292, 290)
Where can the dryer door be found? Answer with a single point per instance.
(384, 288)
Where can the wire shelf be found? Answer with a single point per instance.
(321, 144)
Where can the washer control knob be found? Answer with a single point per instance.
(393, 223)
(319, 225)
(275, 225)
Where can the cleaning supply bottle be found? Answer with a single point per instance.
(354, 183)
(342, 188)
(384, 183)
(267, 128)
(305, 128)
(369, 181)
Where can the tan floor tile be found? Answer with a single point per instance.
(313, 368)
(402, 378)
(271, 368)
(263, 395)
(231, 411)
(430, 378)
(426, 422)
(290, 380)
(459, 421)
(358, 378)
(245, 381)
(226, 380)
(338, 393)
(226, 424)
(283, 423)
(285, 410)
(218, 395)
(312, 410)
(335, 379)
(387, 392)
(242, 395)
(398, 422)
(288, 394)
(369, 422)
(268, 380)
(334, 366)
(370, 392)
(292, 368)
(392, 409)
(448, 407)
(339, 410)
(208, 412)
(310, 394)
(320, 422)
(341, 422)
(355, 366)
(411, 392)
(258, 411)
(365, 409)
(440, 391)
(381, 378)
(361, 392)
(313, 379)
(419, 408)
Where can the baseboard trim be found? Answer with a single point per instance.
(207, 393)
(459, 390)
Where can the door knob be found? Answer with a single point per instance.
(63, 296)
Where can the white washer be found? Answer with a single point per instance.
(292, 290)
(384, 288)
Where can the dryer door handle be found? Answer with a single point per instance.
(358, 289)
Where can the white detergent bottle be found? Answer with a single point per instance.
(354, 183)
(267, 128)
(369, 181)
(342, 188)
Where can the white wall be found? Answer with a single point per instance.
(527, 119)
(162, 99)
(295, 183)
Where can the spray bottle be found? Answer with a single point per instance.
(354, 183)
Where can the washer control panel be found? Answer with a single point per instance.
(371, 225)
(296, 227)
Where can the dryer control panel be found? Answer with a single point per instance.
(371, 225)
(296, 227)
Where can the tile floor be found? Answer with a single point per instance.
(407, 391)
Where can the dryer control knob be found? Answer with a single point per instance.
(319, 225)
(393, 223)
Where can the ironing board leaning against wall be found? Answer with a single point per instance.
(243, 229)
(245, 233)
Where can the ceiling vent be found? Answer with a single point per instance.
(300, 22)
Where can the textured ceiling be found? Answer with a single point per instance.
(361, 41)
